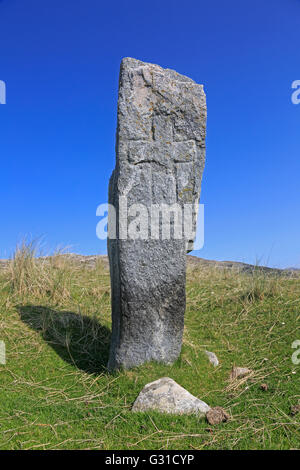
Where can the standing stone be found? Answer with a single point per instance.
(160, 155)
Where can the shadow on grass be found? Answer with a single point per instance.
(78, 339)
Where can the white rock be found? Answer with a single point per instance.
(167, 396)
(212, 358)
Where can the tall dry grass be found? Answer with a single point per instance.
(212, 287)
(31, 275)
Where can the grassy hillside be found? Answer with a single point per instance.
(55, 392)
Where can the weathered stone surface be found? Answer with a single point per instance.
(212, 358)
(160, 153)
(167, 396)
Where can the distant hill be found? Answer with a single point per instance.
(91, 260)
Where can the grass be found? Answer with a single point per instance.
(55, 392)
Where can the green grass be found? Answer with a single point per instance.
(55, 392)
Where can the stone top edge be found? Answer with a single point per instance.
(130, 62)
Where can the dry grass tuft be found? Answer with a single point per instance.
(31, 275)
(260, 287)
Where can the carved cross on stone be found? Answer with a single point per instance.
(160, 160)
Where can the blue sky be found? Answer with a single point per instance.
(60, 62)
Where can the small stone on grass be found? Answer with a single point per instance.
(212, 358)
(295, 409)
(167, 396)
(217, 415)
(239, 372)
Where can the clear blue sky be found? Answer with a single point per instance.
(60, 61)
